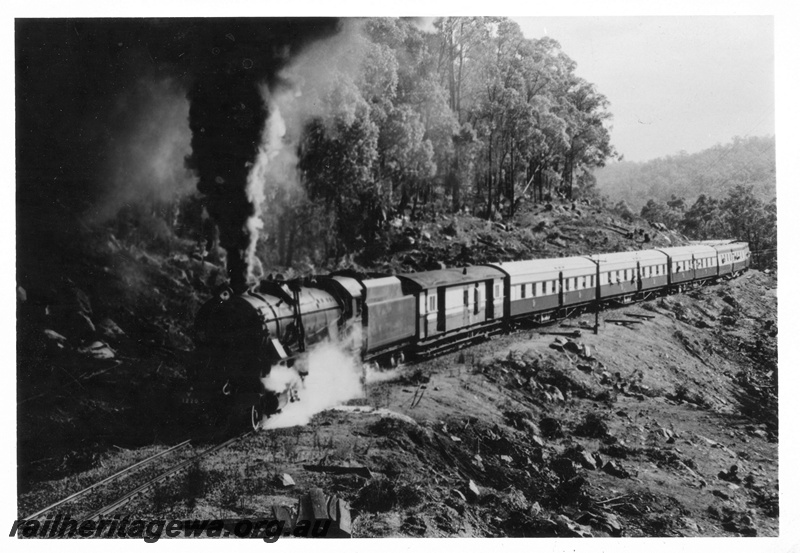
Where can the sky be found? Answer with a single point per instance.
(674, 83)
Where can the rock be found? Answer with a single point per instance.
(585, 368)
(592, 426)
(110, 329)
(98, 350)
(730, 476)
(739, 528)
(721, 494)
(531, 426)
(569, 527)
(614, 469)
(572, 347)
(472, 490)
(55, 336)
(83, 324)
(689, 523)
(506, 459)
(608, 522)
(564, 468)
(284, 480)
(556, 346)
(556, 394)
(426, 235)
(587, 460)
(551, 428)
(458, 494)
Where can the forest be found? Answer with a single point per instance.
(364, 125)
(728, 191)
(468, 118)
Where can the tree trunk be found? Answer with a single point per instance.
(511, 198)
(489, 181)
(455, 185)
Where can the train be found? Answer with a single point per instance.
(241, 338)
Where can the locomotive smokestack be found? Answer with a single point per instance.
(228, 116)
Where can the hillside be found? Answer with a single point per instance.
(667, 427)
(713, 172)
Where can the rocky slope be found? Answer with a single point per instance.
(663, 426)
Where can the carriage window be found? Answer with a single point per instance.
(522, 291)
(497, 290)
(566, 284)
(554, 288)
(591, 281)
(466, 296)
(431, 303)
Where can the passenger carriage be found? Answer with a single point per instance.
(623, 275)
(680, 265)
(705, 262)
(539, 288)
(732, 257)
(452, 302)
(741, 257)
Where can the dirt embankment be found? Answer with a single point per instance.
(662, 426)
(665, 425)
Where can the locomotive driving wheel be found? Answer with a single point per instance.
(257, 414)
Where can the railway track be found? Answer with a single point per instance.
(126, 497)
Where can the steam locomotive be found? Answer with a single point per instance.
(241, 338)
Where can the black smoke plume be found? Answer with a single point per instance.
(227, 116)
(88, 92)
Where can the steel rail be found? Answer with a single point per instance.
(111, 507)
(106, 480)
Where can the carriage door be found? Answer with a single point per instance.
(489, 299)
(639, 270)
(441, 320)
